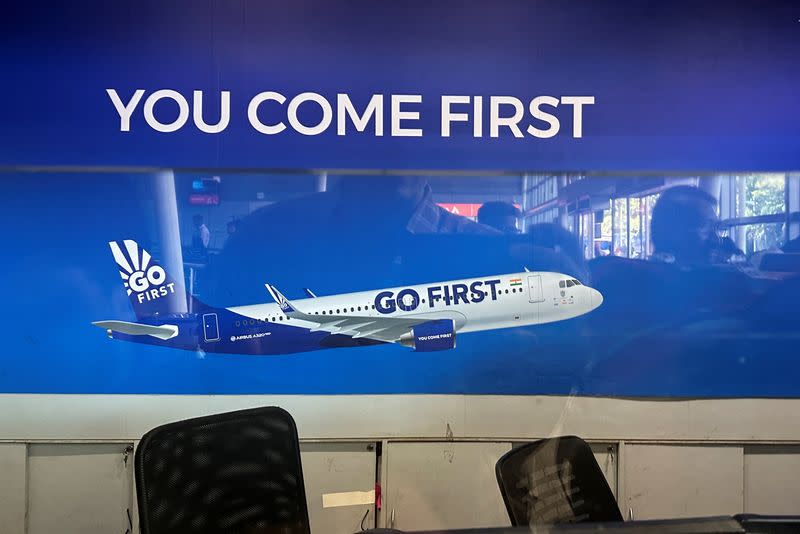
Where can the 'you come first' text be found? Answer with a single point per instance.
(393, 115)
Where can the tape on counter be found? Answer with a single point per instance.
(348, 498)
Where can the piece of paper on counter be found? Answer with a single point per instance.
(348, 498)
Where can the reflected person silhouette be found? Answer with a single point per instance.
(502, 216)
(685, 229)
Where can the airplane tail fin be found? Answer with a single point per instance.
(150, 288)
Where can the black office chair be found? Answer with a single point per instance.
(236, 472)
(555, 480)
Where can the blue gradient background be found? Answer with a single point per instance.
(679, 85)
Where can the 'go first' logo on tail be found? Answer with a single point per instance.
(139, 275)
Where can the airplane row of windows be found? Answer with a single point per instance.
(568, 283)
(256, 321)
(324, 312)
(353, 309)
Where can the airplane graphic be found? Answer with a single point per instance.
(424, 317)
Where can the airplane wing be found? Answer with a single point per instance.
(165, 331)
(387, 329)
(309, 293)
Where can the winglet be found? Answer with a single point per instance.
(284, 304)
(309, 293)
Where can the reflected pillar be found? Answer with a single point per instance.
(169, 234)
(711, 185)
(793, 203)
(322, 182)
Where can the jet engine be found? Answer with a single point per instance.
(438, 334)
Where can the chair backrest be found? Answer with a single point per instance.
(769, 524)
(555, 480)
(236, 472)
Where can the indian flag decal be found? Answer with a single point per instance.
(515, 281)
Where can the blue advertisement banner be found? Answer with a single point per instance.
(263, 197)
(114, 284)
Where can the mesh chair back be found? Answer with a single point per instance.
(555, 480)
(236, 472)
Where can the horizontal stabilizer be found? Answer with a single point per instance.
(164, 331)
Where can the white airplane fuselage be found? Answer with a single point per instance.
(489, 303)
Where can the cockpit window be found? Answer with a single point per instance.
(576, 282)
(562, 284)
(570, 283)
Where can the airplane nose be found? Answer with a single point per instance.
(595, 298)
